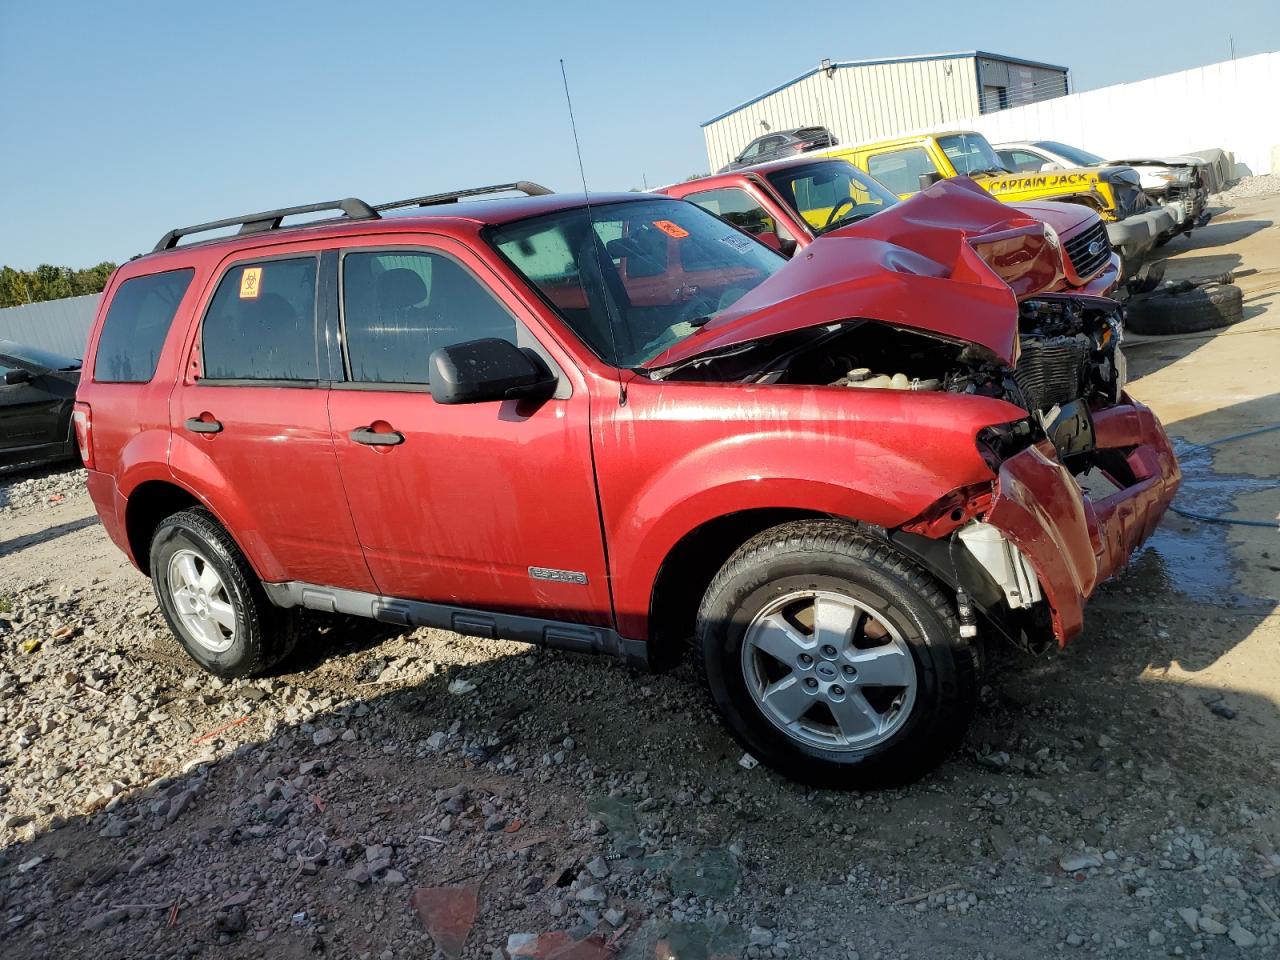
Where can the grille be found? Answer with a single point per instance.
(1084, 263)
(1051, 369)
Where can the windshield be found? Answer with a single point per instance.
(1081, 158)
(970, 153)
(648, 275)
(830, 193)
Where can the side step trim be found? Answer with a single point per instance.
(555, 634)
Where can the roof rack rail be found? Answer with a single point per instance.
(527, 187)
(352, 209)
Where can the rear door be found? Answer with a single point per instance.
(250, 420)
(482, 505)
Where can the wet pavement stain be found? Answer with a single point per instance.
(1194, 556)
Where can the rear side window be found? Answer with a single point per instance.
(900, 170)
(398, 307)
(136, 324)
(261, 324)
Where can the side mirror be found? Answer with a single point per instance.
(1050, 166)
(14, 377)
(480, 370)
(927, 180)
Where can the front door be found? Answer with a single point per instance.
(251, 425)
(486, 505)
(29, 413)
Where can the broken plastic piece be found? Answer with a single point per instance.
(447, 914)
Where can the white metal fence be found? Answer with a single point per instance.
(1233, 105)
(58, 325)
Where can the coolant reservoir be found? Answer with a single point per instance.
(879, 382)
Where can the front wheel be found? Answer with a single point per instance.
(834, 659)
(212, 600)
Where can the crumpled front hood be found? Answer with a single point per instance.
(933, 263)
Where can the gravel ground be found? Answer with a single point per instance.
(148, 810)
(1118, 799)
(1248, 187)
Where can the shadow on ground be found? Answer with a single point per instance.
(305, 822)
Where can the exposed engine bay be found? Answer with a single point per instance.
(1069, 351)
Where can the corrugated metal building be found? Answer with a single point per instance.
(58, 325)
(861, 100)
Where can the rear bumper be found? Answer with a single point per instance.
(1074, 542)
(1136, 234)
(110, 506)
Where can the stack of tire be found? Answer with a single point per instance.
(1184, 308)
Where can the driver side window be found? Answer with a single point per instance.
(398, 306)
(900, 170)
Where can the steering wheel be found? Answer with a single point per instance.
(840, 205)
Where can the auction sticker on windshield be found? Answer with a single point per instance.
(671, 229)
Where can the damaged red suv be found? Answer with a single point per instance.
(619, 427)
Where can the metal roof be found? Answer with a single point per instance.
(876, 61)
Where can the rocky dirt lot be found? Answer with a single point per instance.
(1118, 799)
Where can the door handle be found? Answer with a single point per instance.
(371, 438)
(196, 425)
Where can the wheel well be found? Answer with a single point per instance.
(688, 570)
(1080, 199)
(148, 505)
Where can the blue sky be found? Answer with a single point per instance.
(124, 119)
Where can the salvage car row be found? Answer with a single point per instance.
(1144, 202)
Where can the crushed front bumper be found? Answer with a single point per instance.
(1136, 234)
(1074, 542)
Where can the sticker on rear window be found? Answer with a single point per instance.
(250, 282)
(671, 229)
(738, 242)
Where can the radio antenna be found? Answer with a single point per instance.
(594, 240)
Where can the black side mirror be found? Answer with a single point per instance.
(927, 180)
(490, 369)
(14, 377)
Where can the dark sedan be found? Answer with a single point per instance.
(779, 144)
(37, 392)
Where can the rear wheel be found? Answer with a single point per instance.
(212, 601)
(834, 659)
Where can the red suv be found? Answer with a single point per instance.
(620, 426)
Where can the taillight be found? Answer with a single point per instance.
(82, 417)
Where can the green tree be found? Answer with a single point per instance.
(47, 282)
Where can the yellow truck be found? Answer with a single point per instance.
(907, 165)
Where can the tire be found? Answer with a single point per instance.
(242, 633)
(915, 632)
(1203, 308)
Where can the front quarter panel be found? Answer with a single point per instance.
(679, 455)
